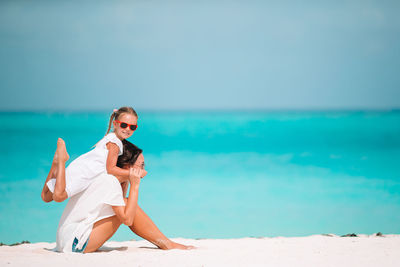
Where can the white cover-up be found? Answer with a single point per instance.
(81, 171)
(84, 209)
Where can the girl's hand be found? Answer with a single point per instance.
(134, 176)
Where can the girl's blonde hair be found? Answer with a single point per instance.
(117, 113)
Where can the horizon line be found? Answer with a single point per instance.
(209, 110)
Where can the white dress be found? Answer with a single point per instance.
(81, 171)
(84, 209)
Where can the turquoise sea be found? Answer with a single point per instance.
(221, 174)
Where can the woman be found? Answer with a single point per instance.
(94, 215)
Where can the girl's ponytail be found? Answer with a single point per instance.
(111, 120)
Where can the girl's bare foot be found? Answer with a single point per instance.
(61, 154)
(55, 158)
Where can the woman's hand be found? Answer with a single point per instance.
(135, 174)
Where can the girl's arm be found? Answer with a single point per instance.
(126, 214)
(111, 164)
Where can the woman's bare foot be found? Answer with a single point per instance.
(180, 246)
(61, 154)
(168, 244)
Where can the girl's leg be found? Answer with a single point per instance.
(57, 171)
(144, 227)
(47, 195)
(101, 232)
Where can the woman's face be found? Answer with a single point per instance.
(124, 133)
(139, 164)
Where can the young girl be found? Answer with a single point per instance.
(62, 183)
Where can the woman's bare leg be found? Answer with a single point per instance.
(101, 232)
(144, 227)
(57, 171)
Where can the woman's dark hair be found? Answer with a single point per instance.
(130, 154)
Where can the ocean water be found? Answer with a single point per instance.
(220, 174)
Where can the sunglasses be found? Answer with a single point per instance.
(123, 125)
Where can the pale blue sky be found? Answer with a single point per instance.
(70, 55)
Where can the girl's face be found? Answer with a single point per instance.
(124, 133)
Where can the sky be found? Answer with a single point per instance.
(199, 55)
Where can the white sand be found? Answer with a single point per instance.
(317, 250)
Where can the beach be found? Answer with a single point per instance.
(295, 175)
(315, 250)
(269, 132)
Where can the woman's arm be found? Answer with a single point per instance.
(124, 186)
(111, 164)
(126, 214)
